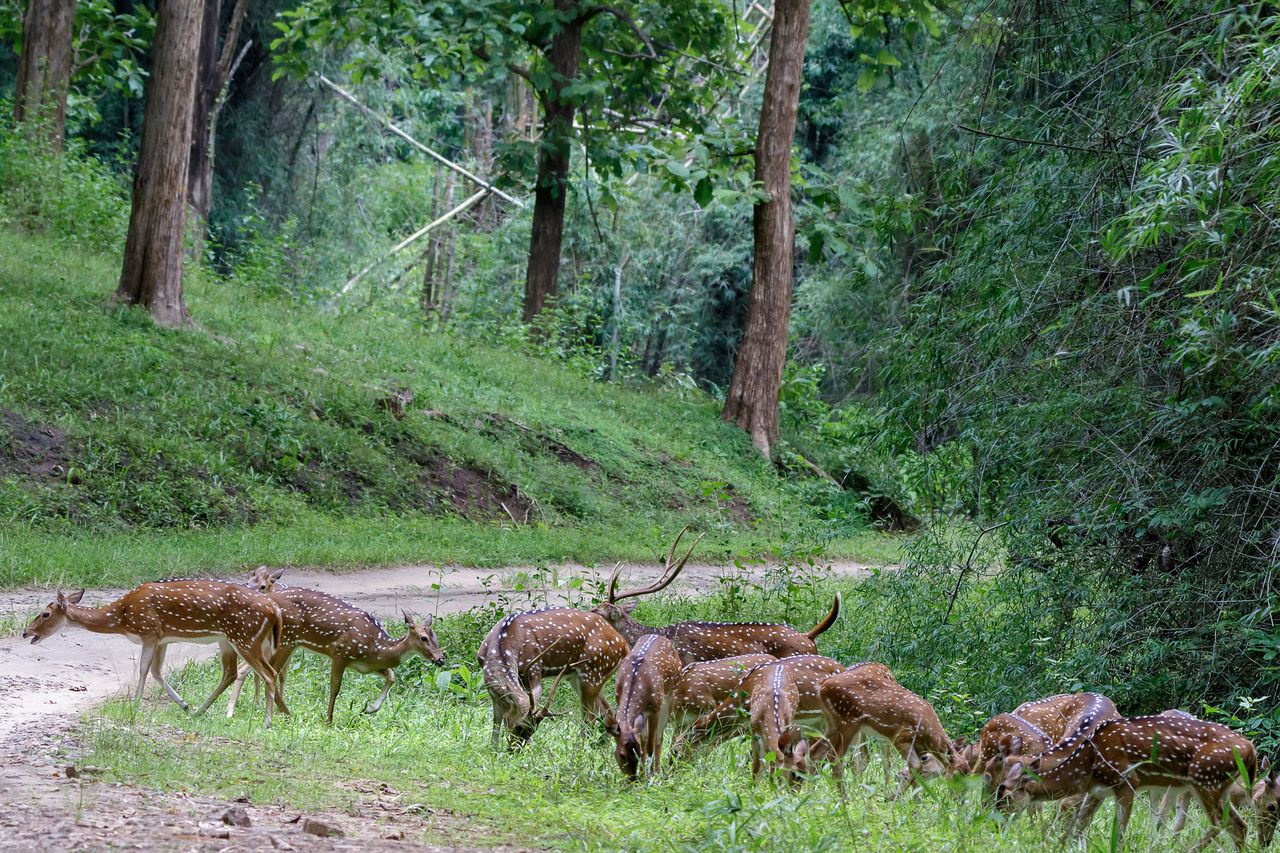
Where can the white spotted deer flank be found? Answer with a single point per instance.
(704, 641)
(647, 679)
(196, 611)
(523, 647)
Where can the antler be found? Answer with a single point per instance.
(670, 571)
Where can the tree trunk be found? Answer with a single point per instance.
(553, 169)
(213, 74)
(44, 70)
(200, 172)
(152, 271)
(752, 402)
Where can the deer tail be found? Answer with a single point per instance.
(828, 622)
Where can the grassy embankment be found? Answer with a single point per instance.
(430, 745)
(129, 452)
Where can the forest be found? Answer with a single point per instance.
(978, 299)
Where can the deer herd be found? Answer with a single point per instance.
(710, 681)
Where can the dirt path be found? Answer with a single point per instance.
(44, 689)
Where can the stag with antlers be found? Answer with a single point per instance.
(704, 641)
(523, 647)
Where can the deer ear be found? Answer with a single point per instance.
(627, 607)
(75, 597)
(277, 574)
(800, 751)
(640, 724)
(1015, 745)
(1014, 773)
(960, 743)
(1264, 767)
(408, 618)
(913, 761)
(427, 620)
(1259, 789)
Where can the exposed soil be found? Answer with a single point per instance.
(474, 494)
(31, 450)
(45, 688)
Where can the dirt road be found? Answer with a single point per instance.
(45, 688)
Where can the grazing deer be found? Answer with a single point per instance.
(523, 647)
(1127, 755)
(807, 672)
(1066, 714)
(866, 701)
(347, 635)
(1004, 735)
(703, 641)
(647, 679)
(155, 614)
(704, 685)
(1266, 802)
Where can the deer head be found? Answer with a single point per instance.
(1266, 801)
(264, 579)
(619, 615)
(421, 638)
(51, 618)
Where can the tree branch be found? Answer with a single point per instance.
(622, 16)
(229, 45)
(1060, 145)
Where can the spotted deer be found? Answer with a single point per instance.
(867, 702)
(647, 679)
(523, 647)
(1129, 754)
(1002, 736)
(780, 696)
(704, 685)
(703, 641)
(348, 636)
(196, 611)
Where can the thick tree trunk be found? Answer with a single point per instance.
(44, 69)
(152, 271)
(553, 170)
(752, 402)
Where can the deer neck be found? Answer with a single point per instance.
(99, 620)
(632, 631)
(388, 653)
(1065, 771)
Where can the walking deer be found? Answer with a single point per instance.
(1129, 754)
(866, 701)
(523, 647)
(647, 679)
(156, 614)
(703, 641)
(348, 636)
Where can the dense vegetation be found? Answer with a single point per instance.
(1036, 309)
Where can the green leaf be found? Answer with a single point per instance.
(678, 168)
(702, 193)
(866, 80)
(887, 59)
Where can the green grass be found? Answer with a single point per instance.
(430, 743)
(129, 452)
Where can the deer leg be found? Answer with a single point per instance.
(389, 678)
(1180, 812)
(659, 733)
(757, 757)
(230, 661)
(335, 684)
(239, 685)
(144, 666)
(157, 672)
(1124, 809)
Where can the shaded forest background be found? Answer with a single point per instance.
(1036, 306)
